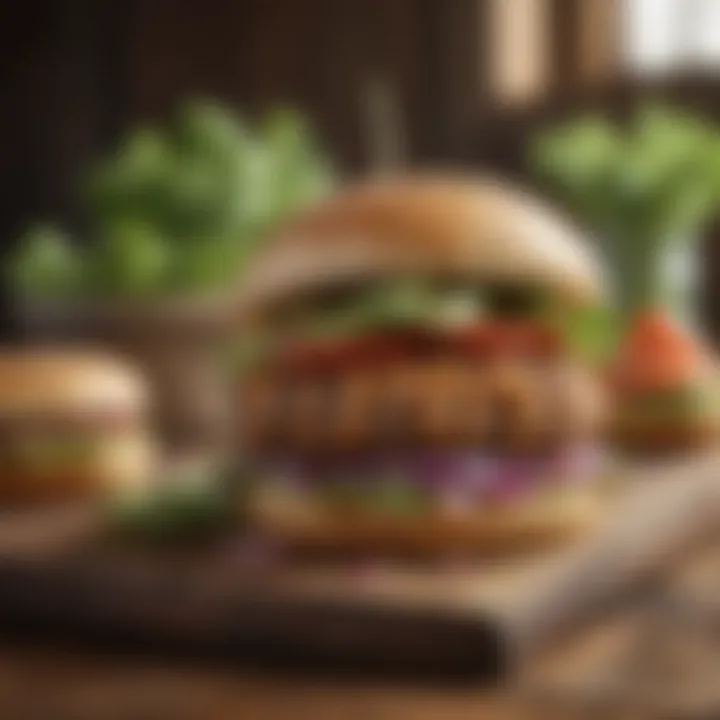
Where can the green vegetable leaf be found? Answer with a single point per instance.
(206, 263)
(638, 187)
(132, 182)
(397, 496)
(46, 264)
(130, 259)
(207, 130)
(179, 506)
(591, 332)
(295, 166)
(181, 208)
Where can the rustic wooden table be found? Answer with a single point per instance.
(53, 685)
(660, 653)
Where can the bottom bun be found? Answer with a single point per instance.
(515, 526)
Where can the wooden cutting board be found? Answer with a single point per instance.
(61, 580)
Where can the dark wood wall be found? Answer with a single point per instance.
(316, 54)
(76, 72)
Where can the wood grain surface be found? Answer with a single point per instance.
(61, 578)
(674, 608)
(54, 685)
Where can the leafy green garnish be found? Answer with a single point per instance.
(178, 209)
(53, 450)
(393, 495)
(46, 262)
(180, 505)
(591, 332)
(388, 494)
(131, 258)
(400, 302)
(652, 181)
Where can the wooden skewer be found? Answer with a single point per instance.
(383, 126)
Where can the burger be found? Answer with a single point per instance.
(667, 388)
(411, 386)
(73, 425)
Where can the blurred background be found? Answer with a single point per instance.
(147, 145)
(382, 84)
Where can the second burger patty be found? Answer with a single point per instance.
(503, 404)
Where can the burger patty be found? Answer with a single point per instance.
(504, 405)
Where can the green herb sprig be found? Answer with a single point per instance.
(178, 209)
(639, 187)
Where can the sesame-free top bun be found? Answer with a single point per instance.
(68, 381)
(451, 225)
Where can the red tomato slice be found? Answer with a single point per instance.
(472, 342)
(517, 338)
(489, 340)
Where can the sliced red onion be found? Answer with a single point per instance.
(456, 476)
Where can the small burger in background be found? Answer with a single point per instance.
(413, 390)
(667, 388)
(73, 425)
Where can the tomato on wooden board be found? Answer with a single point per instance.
(657, 353)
